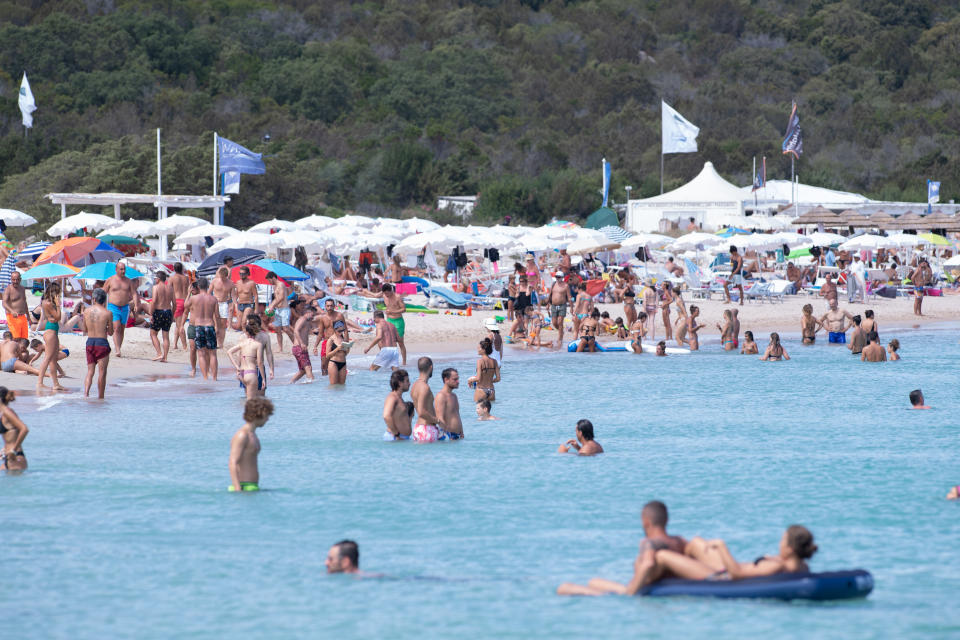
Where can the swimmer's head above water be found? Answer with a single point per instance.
(343, 557)
(916, 399)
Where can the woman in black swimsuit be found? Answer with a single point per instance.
(13, 432)
(775, 350)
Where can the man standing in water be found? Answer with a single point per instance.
(448, 407)
(201, 308)
(181, 287)
(246, 295)
(874, 351)
(15, 307)
(98, 323)
(426, 427)
(301, 345)
(121, 293)
(281, 307)
(389, 355)
(395, 414)
(245, 445)
(736, 275)
(223, 290)
(559, 298)
(163, 307)
(395, 306)
(835, 322)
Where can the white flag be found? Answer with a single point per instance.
(27, 104)
(679, 134)
(231, 182)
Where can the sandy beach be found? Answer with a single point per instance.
(448, 334)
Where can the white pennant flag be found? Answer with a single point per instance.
(27, 103)
(679, 134)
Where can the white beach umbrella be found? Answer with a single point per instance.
(652, 240)
(174, 225)
(535, 242)
(419, 225)
(356, 221)
(867, 241)
(14, 218)
(393, 231)
(588, 244)
(952, 262)
(197, 234)
(82, 220)
(357, 242)
(823, 239)
(443, 239)
(312, 240)
(133, 228)
(270, 225)
(514, 232)
(316, 223)
(247, 240)
(792, 239)
(756, 242)
(694, 240)
(904, 240)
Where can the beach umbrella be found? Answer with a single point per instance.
(134, 228)
(248, 240)
(513, 232)
(819, 215)
(394, 231)
(792, 239)
(822, 239)
(935, 239)
(240, 256)
(301, 238)
(880, 220)
(868, 242)
(909, 220)
(282, 269)
(200, 233)
(588, 244)
(78, 252)
(953, 262)
(104, 270)
(49, 271)
(173, 225)
(756, 241)
(29, 253)
(652, 240)
(82, 220)
(854, 218)
(904, 239)
(615, 233)
(535, 242)
(351, 220)
(564, 224)
(419, 225)
(443, 239)
(14, 218)
(257, 274)
(359, 240)
(695, 240)
(269, 226)
(316, 223)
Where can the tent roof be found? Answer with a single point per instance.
(602, 217)
(708, 186)
(780, 191)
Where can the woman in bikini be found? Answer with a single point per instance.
(51, 335)
(488, 373)
(680, 327)
(749, 344)
(637, 331)
(809, 325)
(712, 560)
(250, 367)
(337, 350)
(630, 306)
(13, 432)
(666, 299)
(518, 329)
(775, 350)
(726, 331)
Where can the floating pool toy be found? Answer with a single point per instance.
(832, 585)
(624, 345)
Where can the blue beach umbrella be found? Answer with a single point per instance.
(104, 270)
(282, 269)
(48, 271)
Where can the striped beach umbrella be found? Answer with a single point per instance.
(615, 233)
(10, 264)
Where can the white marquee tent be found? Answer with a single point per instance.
(707, 198)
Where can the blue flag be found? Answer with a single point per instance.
(606, 181)
(760, 180)
(933, 192)
(793, 141)
(233, 157)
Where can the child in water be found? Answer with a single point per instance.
(622, 333)
(749, 347)
(483, 410)
(245, 445)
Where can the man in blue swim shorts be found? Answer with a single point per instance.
(835, 321)
(121, 293)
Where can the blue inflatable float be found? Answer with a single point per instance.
(834, 585)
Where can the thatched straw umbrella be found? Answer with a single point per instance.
(909, 220)
(853, 218)
(819, 215)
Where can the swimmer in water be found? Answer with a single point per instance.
(726, 331)
(584, 444)
(916, 400)
(749, 344)
(12, 434)
(654, 520)
(873, 352)
(245, 445)
(343, 557)
(892, 348)
(447, 406)
(809, 325)
(775, 350)
(954, 493)
(661, 348)
(396, 413)
(693, 341)
(483, 411)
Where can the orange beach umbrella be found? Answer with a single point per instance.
(73, 250)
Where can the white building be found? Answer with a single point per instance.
(460, 205)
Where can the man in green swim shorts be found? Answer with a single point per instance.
(245, 445)
(395, 306)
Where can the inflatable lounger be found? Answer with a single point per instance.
(834, 585)
(624, 345)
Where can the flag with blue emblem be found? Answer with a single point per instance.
(793, 140)
(27, 104)
(606, 181)
(234, 157)
(933, 192)
(678, 134)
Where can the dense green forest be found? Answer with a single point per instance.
(380, 106)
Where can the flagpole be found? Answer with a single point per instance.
(214, 163)
(754, 184)
(661, 171)
(159, 190)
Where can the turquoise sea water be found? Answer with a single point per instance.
(123, 527)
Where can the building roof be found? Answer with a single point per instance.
(109, 199)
